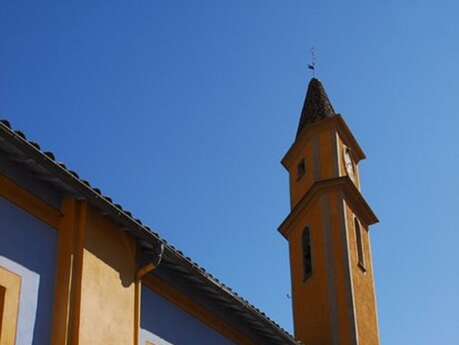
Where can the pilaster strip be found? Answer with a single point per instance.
(331, 269)
(66, 310)
(75, 293)
(63, 274)
(349, 274)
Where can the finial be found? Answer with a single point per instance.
(312, 65)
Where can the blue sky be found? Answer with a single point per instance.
(181, 111)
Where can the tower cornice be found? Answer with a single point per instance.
(336, 122)
(344, 184)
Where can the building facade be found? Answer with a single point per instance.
(77, 268)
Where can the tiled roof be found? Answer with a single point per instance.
(45, 166)
(316, 105)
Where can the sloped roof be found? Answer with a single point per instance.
(316, 105)
(45, 167)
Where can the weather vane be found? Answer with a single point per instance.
(312, 65)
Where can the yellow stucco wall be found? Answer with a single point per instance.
(107, 289)
(322, 304)
(317, 147)
(310, 298)
(327, 153)
(336, 305)
(363, 283)
(339, 266)
(301, 185)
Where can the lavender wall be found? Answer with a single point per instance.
(28, 248)
(164, 324)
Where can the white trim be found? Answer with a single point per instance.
(148, 336)
(28, 300)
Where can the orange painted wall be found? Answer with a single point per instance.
(364, 287)
(107, 307)
(339, 265)
(311, 306)
(319, 166)
(311, 298)
(363, 283)
(327, 154)
(322, 304)
(335, 305)
(301, 185)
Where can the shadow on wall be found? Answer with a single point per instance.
(112, 246)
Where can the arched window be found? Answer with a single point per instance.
(307, 256)
(359, 244)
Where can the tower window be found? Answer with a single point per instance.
(307, 257)
(301, 169)
(359, 243)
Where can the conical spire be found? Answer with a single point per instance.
(316, 106)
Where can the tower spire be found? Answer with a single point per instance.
(316, 106)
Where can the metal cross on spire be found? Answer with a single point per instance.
(312, 65)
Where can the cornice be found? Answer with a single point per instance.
(337, 122)
(343, 184)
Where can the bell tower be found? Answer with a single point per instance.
(333, 289)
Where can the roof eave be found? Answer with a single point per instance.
(141, 232)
